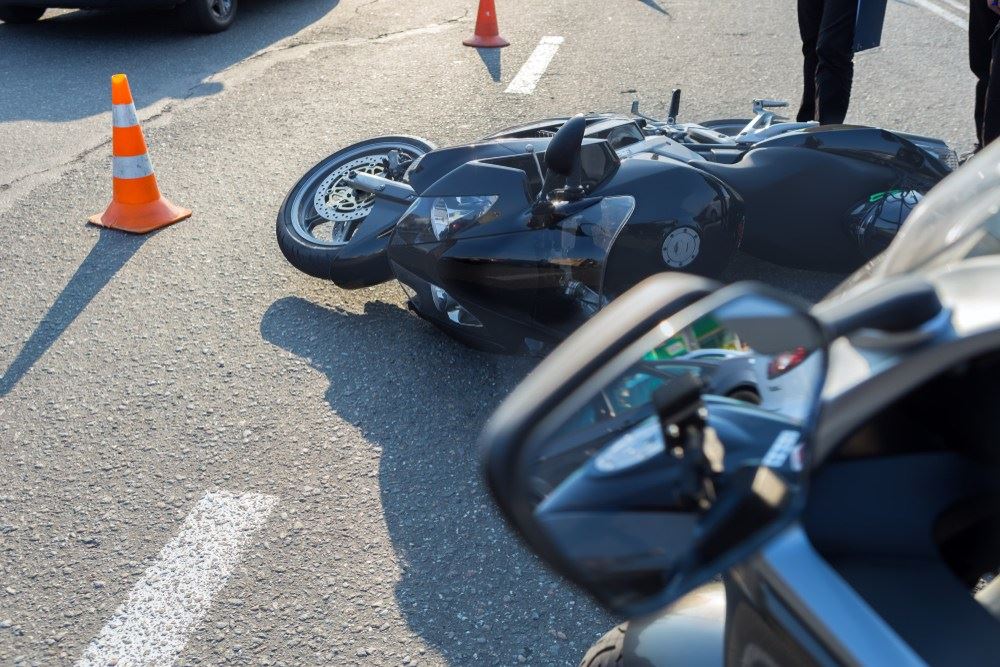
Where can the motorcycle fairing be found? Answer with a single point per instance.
(527, 281)
(798, 201)
(708, 205)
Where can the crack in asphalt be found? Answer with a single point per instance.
(364, 6)
(171, 106)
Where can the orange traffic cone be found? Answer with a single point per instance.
(487, 35)
(136, 205)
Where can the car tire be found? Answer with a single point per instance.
(208, 16)
(17, 14)
(746, 395)
(609, 651)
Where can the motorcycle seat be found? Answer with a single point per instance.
(765, 171)
(797, 202)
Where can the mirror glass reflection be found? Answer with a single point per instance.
(636, 474)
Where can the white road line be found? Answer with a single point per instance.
(957, 5)
(942, 12)
(174, 594)
(532, 70)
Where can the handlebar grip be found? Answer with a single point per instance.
(675, 105)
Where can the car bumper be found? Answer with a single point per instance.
(94, 4)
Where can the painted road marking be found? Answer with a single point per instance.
(957, 5)
(943, 13)
(174, 594)
(532, 70)
(964, 8)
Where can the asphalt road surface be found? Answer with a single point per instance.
(209, 457)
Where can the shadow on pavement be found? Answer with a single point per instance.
(112, 250)
(467, 588)
(654, 4)
(492, 59)
(810, 285)
(58, 69)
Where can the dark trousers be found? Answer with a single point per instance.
(984, 59)
(827, 30)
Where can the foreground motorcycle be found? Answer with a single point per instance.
(511, 243)
(851, 516)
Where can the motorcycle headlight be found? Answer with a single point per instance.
(637, 446)
(437, 218)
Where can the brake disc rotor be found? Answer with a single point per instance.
(337, 201)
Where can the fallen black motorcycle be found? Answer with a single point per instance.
(510, 243)
(853, 512)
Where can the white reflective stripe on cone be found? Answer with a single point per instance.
(132, 167)
(123, 115)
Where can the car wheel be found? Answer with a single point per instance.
(746, 395)
(20, 14)
(208, 15)
(609, 651)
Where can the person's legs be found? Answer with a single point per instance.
(810, 14)
(835, 52)
(991, 106)
(982, 23)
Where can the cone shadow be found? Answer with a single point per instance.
(492, 59)
(654, 4)
(111, 252)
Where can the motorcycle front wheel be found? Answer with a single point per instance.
(321, 212)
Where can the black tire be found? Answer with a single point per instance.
(745, 394)
(208, 16)
(17, 14)
(303, 252)
(609, 651)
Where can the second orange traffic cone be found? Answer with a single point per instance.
(487, 35)
(136, 205)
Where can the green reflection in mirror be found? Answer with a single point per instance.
(705, 333)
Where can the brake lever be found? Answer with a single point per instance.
(690, 440)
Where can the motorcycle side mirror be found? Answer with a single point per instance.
(564, 148)
(675, 106)
(562, 159)
(664, 441)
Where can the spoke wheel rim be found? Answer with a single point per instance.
(327, 210)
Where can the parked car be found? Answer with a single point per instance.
(198, 15)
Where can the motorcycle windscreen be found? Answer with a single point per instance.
(571, 280)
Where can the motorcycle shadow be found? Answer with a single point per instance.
(467, 586)
(810, 285)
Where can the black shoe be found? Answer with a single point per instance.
(965, 157)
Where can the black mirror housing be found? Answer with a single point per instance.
(610, 465)
(564, 148)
